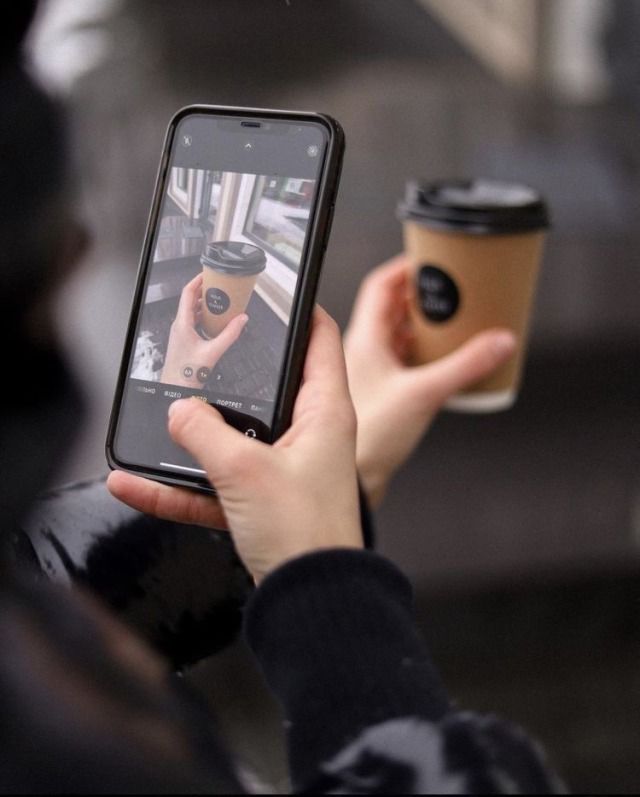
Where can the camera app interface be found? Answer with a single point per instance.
(229, 243)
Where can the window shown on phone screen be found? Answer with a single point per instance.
(220, 284)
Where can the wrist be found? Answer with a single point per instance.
(260, 574)
(373, 479)
(338, 534)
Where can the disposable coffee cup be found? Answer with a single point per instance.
(230, 271)
(475, 249)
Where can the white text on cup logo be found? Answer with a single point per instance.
(217, 301)
(438, 295)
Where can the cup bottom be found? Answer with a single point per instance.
(480, 403)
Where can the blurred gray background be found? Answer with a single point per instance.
(520, 531)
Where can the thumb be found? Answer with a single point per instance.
(223, 451)
(219, 345)
(473, 361)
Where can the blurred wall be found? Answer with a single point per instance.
(554, 46)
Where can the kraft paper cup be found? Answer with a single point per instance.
(230, 272)
(475, 249)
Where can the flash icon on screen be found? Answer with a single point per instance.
(187, 140)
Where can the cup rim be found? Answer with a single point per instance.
(239, 269)
(426, 203)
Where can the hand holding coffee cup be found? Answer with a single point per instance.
(396, 402)
(474, 250)
(190, 358)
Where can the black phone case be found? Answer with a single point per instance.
(304, 301)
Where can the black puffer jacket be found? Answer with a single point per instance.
(88, 708)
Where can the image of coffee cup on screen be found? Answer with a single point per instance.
(221, 282)
(230, 273)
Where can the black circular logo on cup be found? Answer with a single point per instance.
(438, 294)
(217, 301)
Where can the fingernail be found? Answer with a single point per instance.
(176, 405)
(504, 343)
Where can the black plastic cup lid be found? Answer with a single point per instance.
(475, 206)
(234, 257)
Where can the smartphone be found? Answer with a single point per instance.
(237, 233)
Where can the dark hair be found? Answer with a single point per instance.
(14, 28)
(33, 176)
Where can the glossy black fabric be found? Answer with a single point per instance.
(182, 588)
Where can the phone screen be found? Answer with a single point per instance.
(224, 257)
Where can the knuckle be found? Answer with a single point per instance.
(328, 321)
(486, 359)
(240, 461)
(182, 423)
(371, 279)
(374, 274)
(333, 325)
(378, 274)
(155, 501)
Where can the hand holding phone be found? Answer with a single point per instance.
(230, 267)
(282, 501)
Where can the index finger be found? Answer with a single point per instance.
(325, 369)
(381, 293)
(177, 504)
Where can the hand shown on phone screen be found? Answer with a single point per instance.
(190, 358)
